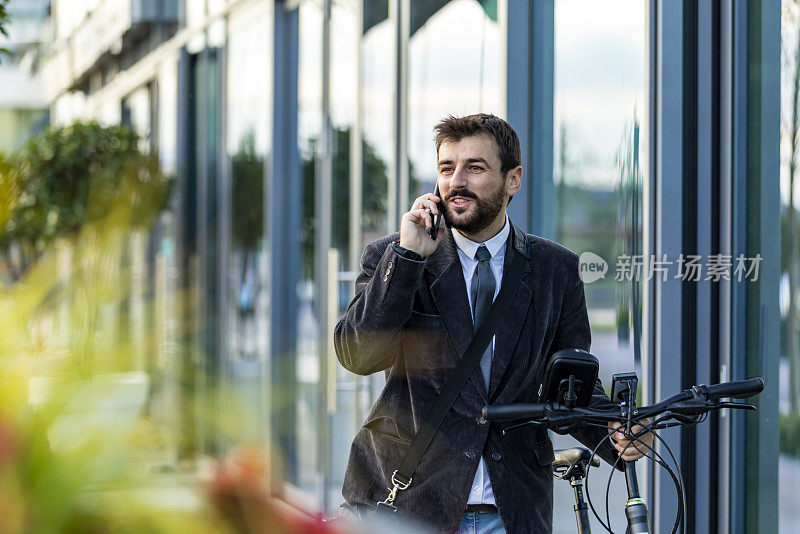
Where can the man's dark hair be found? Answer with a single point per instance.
(457, 128)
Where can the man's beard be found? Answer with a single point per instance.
(485, 212)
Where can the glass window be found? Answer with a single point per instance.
(137, 112)
(599, 169)
(344, 79)
(343, 103)
(454, 68)
(378, 64)
(248, 140)
(198, 253)
(377, 104)
(306, 469)
(789, 392)
(195, 12)
(136, 313)
(165, 406)
(167, 87)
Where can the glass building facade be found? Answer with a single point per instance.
(23, 101)
(300, 130)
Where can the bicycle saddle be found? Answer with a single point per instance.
(569, 457)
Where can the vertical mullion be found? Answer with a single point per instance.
(725, 296)
(201, 168)
(713, 446)
(738, 236)
(542, 65)
(763, 205)
(403, 13)
(322, 242)
(649, 227)
(518, 107)
(689, 231)
(223, 229)
(397, 12)
(356, 187)
(283, 220)
(705, 223)
(668, 190)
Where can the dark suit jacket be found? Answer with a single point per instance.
(412, 319)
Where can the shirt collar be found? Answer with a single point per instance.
(495, 245)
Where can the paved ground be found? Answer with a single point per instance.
(789, 494)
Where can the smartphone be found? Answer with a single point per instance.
(436, 218)
(576, 363)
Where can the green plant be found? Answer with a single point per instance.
(72, 176)
(789, 434)
(3, 24)
(248, 195)
(375, 173)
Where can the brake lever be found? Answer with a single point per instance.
(695, 406)
(521, 425)
(735, 406)
(684, 419)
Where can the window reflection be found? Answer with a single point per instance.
(789, 392)
(309, 117)
(344, 91)
(248, 139)
(599, 96)
(378, 91)
(344, 42)
(598, 175)
(454, 58)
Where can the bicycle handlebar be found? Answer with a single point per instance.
(685, 408)
(739, 389)
(507, 412)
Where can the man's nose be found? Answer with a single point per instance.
(459, 178)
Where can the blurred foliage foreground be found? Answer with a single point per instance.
(74, 445)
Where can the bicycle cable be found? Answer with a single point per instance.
(657, 458)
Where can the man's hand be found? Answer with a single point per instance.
(413, 227)
(636, 449)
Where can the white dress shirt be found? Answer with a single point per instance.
(481, 492)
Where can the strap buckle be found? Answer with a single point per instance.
(397, 485)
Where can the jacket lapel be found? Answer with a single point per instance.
(511, 325)
(449, 292)
(450, 295)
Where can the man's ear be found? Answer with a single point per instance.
(514, 180)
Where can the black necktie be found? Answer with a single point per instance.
(482, 290)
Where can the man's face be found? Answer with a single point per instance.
(472, 188)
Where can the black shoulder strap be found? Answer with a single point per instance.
(401, 478)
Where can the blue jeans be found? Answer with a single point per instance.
(475, 523)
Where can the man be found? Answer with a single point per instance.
(413, 315)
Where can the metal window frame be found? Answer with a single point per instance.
(763, 225)
(400, 15)
(283, 223)
(530, 86)
(706, 368)
(714, 172)
(667, 187)
(323, 190)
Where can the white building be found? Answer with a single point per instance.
(23, 100)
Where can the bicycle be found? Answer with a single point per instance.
(686, 408)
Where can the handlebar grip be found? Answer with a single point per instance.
(739, 389)
(507, 412)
